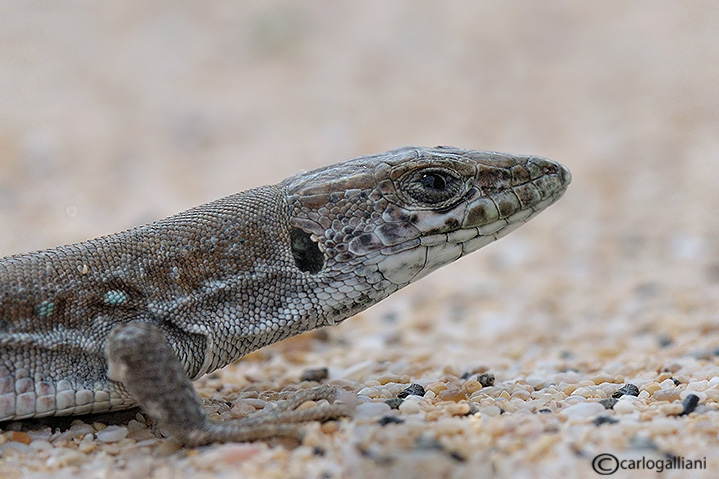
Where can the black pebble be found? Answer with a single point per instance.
(394, 402)
(385, 420)
(317, 375)
(608, 403)
(690, 404)
(599, 420)
(626, 390)
(486, 379)
(412, 390)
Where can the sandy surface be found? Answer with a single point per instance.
(117, 115)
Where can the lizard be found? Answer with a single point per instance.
(131, 319)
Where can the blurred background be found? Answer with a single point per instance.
(116, 114)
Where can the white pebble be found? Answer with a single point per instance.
(667, 384)
(625, 405)
(714, 381)
(702, 395)
(490, 411)
(112, 434)
(698, 385)
(410, 405)
(371, 410)
(40, 444)
(536, 381)
(582, 410)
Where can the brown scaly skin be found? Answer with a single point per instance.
(129, 319)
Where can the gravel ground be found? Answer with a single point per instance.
(592, 330)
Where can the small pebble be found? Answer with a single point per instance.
(317, 375)
(394, 402)
(535, 381)
(87, 444)
(690, 404)
(40, 445)
(490, 411)
(624, 406)
(582, 410)
(410, 405)
(608, 403)
(112, 434)
(626, 390)
(666, 395)
(386, 420)
(486, 379)
(21, 437)
(599, 420)
(371, 410)
(412, 390)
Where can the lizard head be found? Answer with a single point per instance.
(369, 226)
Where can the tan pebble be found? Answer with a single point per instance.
(87, 444)
(569, 389)
(372, 383)
(99, 426)
(329, 427)
(584, 392)
(433, 414)
(437, 387)
(19, 436)
(471, 386)
(505, 395)
(521, 394)
(651, 388)
(602, 378)
(672, 409)
(387, 379)
(452, 394)
(3, 439)
(666, 395)
(458, 409)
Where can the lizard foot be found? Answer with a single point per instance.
(140, 358)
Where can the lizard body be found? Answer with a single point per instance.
(128, 319)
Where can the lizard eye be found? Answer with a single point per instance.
(433, 181)
(431, 187)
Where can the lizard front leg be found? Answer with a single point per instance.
(140, 358)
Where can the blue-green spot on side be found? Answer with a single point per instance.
(114, 297)
(45, 308)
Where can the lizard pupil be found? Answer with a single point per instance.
(433, 181)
